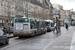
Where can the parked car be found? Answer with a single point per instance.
(3, 38)
(7, 30)
(49, 29)
(4, 29)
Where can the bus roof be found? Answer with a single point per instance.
(49, 21)
(32, 19)
(29, 18)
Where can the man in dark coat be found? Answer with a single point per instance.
(66, 26)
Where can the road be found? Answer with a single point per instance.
(32, 43)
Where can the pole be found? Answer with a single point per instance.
(43, 14)
(27, 10)
(9, 16)
(24, 8)
(59, 21)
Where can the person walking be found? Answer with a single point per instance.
(55, 28)
(66, 26)
(72, 23)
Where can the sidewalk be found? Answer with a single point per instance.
(63, 42)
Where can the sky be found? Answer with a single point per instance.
(67, 4)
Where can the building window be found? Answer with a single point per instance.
(4, 3)
(12, 6)
(12, 13)
(7, 4)
(8, 13)
(1, 2)
(2, 12)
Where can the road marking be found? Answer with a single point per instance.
(53, 41)
(73, 42)
(25, 40)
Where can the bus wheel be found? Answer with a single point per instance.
(35, 33)
(20, 36)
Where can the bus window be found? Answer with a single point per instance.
(47, 23)
(32, 24)
(21, 20)
(35, 24)
(42, 25)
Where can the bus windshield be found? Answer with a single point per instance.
(47, 23)
(21, 20)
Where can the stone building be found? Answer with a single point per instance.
(68, 14)
(59, 10)
(10, 9)
(7, 10)
(73, 15)
(33, 9)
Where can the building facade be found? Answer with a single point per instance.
(58, 9)
(7, 10)
(10, 9)
(33, 9)
(73, 15)
(68, 16)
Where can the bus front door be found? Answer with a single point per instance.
(38, 28)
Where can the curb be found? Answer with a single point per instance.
(11, 37)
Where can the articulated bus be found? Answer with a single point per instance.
(29, 27)
(49, 24)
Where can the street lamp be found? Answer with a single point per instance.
(24, 8)
(43, 14)
(27, 9)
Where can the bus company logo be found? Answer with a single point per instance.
(19, 27)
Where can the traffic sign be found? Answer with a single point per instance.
(55, 14)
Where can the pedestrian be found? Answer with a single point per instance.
(72, 23)
(55, 28)
(66, 26)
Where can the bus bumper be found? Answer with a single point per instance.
(22, 34)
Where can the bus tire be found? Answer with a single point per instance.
(20, 37)
(33, 34)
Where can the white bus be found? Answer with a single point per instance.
(29, 27)
(49, 24)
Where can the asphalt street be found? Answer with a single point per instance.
(63, 42)
(40, 42)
